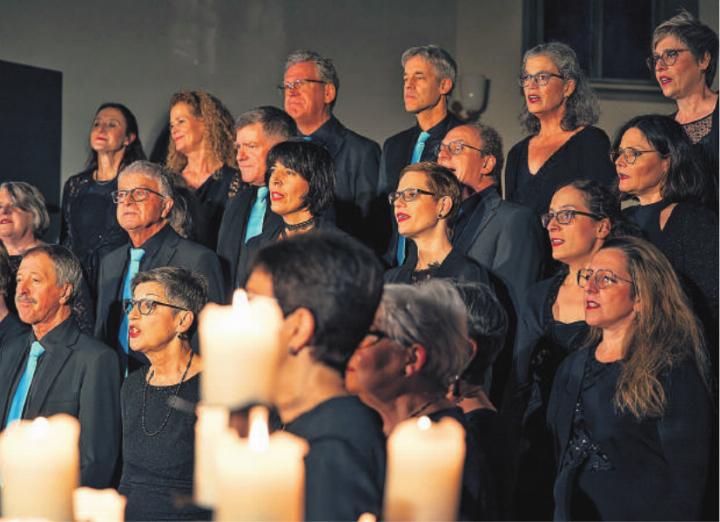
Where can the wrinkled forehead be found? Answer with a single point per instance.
(38, 262)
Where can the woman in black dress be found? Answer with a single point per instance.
(158, 440)
(656, 165)
(89, 225)
(425, 205)
(631, 411)
(201, 153)
(559, 113)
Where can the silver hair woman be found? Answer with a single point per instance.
(23, 216)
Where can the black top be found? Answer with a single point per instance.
(584, 156)
(10, 328)
(455, 266)
(648, 469)
(345, 467)
(356, 161)
(704, 135)
(89, 224)
(157, 476)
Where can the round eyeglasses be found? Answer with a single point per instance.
(667, 58)
(601, 278)
(566, 216)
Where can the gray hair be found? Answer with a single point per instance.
(439, 58)
(182, 287)
(492, 145)
(581, 107)
(5, 272)
(152, 171)
(698, 37)
(28, 198)
(325, 68)
(275, 122)
(67, 267)
(432, 315)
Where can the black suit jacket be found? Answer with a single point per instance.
(231, 239)
(76, 375)
(172, 250)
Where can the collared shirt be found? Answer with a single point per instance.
(152, 248)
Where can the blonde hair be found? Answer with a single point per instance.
(219, 129)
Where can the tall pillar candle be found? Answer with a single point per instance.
(40, 466)
(424, 470)
(240, 349)
(212, 423)
(98, 505)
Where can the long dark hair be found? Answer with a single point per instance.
(134, 151)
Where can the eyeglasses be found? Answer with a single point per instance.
(455, 147)
(602, 278)
(565, 217)
(407, 195)
(295, 84)
(146, 306)
(629, 155)
(137, 194)
(540, 79)
(9, 208)
(667, 58)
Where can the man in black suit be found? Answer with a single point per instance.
(310, 86)
(502, 236)
(429, 74)
(145, 209)
(56, 368)
(248, 214)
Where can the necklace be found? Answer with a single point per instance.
(424, 407)
(170, 400)
(299, 226)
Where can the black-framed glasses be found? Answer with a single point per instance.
(566, 216)
(137, 194)
(295, 84)
(455, 147)
(147, 306)
(408, 195)
(629, 154)
(540, 79)
(667, 58)
(601, 278)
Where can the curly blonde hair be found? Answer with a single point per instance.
(219, 129)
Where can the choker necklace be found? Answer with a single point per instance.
(300, 226)
(421, 409)
(170, 400)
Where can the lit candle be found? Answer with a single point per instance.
(98, 505)
(211, 423)
(40, 466)
(240, 349)
(424, 470)
(262, 477)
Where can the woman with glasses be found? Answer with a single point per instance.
(684, 61)
(581, 216)
(630, 412)
(201, 152)
(560, 109)
(89, 225)
(425, 205)
(157, 401)
(415, 350)
(656, 165)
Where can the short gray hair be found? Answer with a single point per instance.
(28, 198)
(67, 267)
(182, 287)
(153, 171)
(432, 315)
(275, 122)
(439, 58)
(581, 107)
(492, 145)
(325, 68)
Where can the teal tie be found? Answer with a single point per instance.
(416, 156)
(257, 214)
(18, 401)
(136, 254)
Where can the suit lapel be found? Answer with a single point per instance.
(482, 215)
(12, 355)
(167, 250)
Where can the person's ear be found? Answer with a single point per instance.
(66, 293)
(330, 93)
(168, 204)
(446, 85)
(569, 88)
(129, 138)
(488, 165)
(445, 207)
(186, 320)
(300, 326)
(417, 356)
(704, 62)
(604, 228)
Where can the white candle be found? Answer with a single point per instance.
(212, 422)
(98, 505)
(240, 349)
(263, 477)
(40, 466)
(424, 470)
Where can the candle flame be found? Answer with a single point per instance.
(240, 302)
(424, 423)
(259, 438)
(367, 517)
(39, 427)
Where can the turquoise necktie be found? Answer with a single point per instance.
(18, 401)
(136, 254)
(416, 156)
(257, 214)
